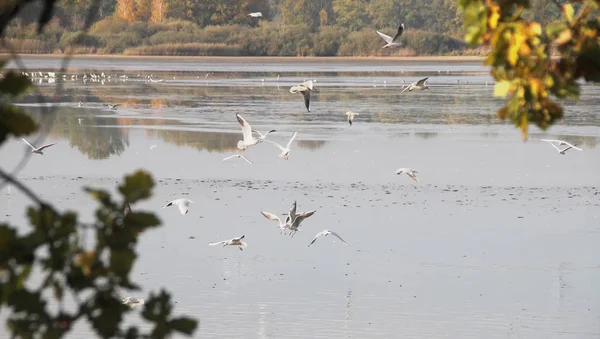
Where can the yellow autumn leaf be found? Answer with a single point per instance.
(564, 37)
(494, 17)
(534, 86)
(568, 11)
(501, 88)
(535, 29)
(523, 124)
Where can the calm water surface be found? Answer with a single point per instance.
(498, 240)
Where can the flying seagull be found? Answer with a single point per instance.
(256, 14)
(288, 219)
(395, 41)
(113, 107)
(326, 233)
(305, 88)
(420, 85)
(231, 242)
(561, 143)
(183, 205)
(238, 156)
(410, 172)
(38, 150)
(132, 302)
(80, 104)
(296, 219)
(248, 140)
(263, 136)
(351, 116)
(285, 151)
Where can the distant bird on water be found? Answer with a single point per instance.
(132, 302)
(305, 88)
(395, 41)
(113, 107)
(38, 150)
(409, 171)
(256, 14)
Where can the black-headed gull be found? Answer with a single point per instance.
(256, 14)
(113, 107)
(305, 88)
(561, 143)
(295, 219)
(410, 172)
(182, 204)
(350, 116)
(288, 219)
(285, 151)
(238, 156)
(231, 242)
(326, 233)
(395, 41)
(38, 150)
(419, 85)
(248, 140)
(132, 302)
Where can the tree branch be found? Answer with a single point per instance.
(29, 193)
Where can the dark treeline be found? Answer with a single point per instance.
(223, 27)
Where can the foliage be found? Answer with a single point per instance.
(521, 55)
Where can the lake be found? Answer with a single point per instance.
(498, 239)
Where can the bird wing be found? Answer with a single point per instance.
(409, 87)
(317, 237)
(300, 217)
(231, 156)
(422, 81)
(276, 144)
(246, 128)
(399, 34)
(292, 139)
(238, 238)
(183, 205)
(400, 170)
(385, 37)
(296, 89)
(308, 84)
(338, 236)
(27, 142)
(46, 146)
(115, 105)
(271, 216)
(306, 95)
(553, 145)
(248, 161)
(413, 176)
(551, 140)
(292, 213)
(566, 143)
(217, 243)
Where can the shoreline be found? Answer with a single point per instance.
(280, 59)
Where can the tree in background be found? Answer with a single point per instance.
(126, 10)
(159, 11)
(143, 10)
(352, 14)
(520, 55)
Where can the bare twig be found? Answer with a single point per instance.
(29, 193)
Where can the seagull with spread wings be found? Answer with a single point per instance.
(132, 302)
(305, 88)
(183, 205)
(248, 140)
(38, 150)
(282, 225)
(350, 116)
(294, 220)
(238, 156)
(410, 172)
(326, 233)
(562, 143)
(417, 85)
(231, 242)
(261, 136)
(113, 107)
(285, 151)
(395, 41)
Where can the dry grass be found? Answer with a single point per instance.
(189, 49)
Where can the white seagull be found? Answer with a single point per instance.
(248, 140)
(79, 120)
(326, 233)
(263, 136)
(80, 104)
(395, 41)
(420, 85)
(351, 116)
(296, 219)
(238, 156)
(38, 150)
(231, 242)
(285, 151)
(256, 14)
(288, 219)
(113, 107)
(305, 88)
(132, 302)
(562, 143)
(183, 205)
(410, 172)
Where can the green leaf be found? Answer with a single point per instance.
(137, 186)
(99, 195)
(184, 325)
(554, 29)
(14, 121)
(141, 219)
(569, 12)
(501, 88)
(121, 262)
(14, 84)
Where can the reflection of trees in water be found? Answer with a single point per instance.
(90, 137)
(585, 141)
(426, 135)
(200, 140)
